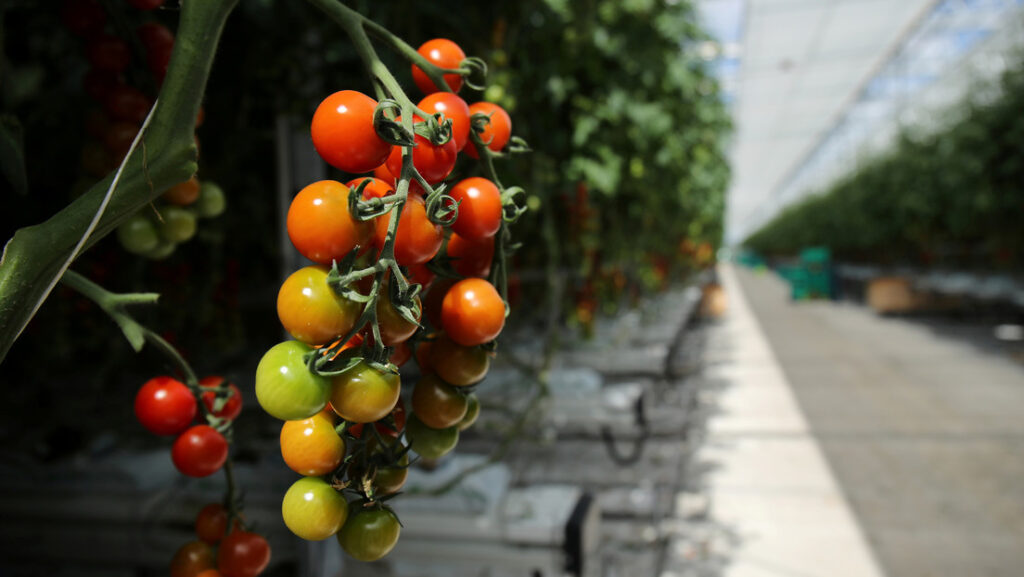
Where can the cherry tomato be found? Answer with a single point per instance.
(390, 480)
(83, 17)
(472, 412)
(178, 224)
(313, 510)
(496, 134)
(320, 225)
(430, 443)
(383, 174)
(183, 193)
(109, 54)
(165, 406)
(162, 250)
(146, 5)
(123, 102)
(343, 132)
(210, 573)
(155, 36)
(438, 404)
(192, 559)
(200, 451)
(138, 234)
(420, 274)
(417, 239)
(423, 355)
(311, 311)
(211, 202)
(212, 523)
(158, 60)
(471, 258)
(401, 354)
(472, 312)
(369, 534)
(384, 427)
(458, 365)
(285, 387)
(311, 446)
(243, 554)
(363, 394)
(118, 138)
(479, 208)
(434, 162)
(443, 53)
(394, 328)
(453, 108)
(231, 408)
(434, 298)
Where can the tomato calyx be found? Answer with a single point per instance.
(389, 129)
(442, 209)
(474, 72)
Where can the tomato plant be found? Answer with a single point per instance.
(165, 406)
(343, 132)
(200, 451)
(443, 53)
(232, 405)
(313, 510)
(369, 534)
(417, 239)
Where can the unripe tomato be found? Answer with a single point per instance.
(369, 535)
(212, 523)
(443, 53)
(311, 446)
(479, 208)
(183, 193)
(243, 554)
(389, 480)
(231, 408)
(363, 394)
(430, 443)
(438, 404)
(192, 559)
(138, 234)
(472, 312)
(313, 510)
(321, 226)
(165, 406)
(311, 311)
(285, 387)
(472, 412)
(162, 250)
(471, 258)
(458, 365)
(343, 132)
(109, 54)
(394, 328)
(453, 108)
(212, 201)
(433, 161)
(200, 451)
(417, 239)
(497, 133)
(178, 224)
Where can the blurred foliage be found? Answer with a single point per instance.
(954, 197)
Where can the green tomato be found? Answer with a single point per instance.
(368, 534)
(472, 412)
(313, 510)
(138, 234)
(212, 201)
(285, 387)
(430, 443)
(178, 225)
(162, 250)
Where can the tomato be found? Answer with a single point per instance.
(158, 61)
(243, 554)
(162, 250)
(419, 274)
(343, 132)
(285, 387)
(313, 510)
(383, 427)
(438, 404)
(83, 17)
(430, 443)
(471, 258)
(138, 234)
(479, 208)
(178, 224)
(311, 446)
(434, 162)
(472, 412)
(376, 188)
(155, 36)
(496, 134)
(417, 239)
(369, 534)
(458, 365)
(146, 5)
(212, 523)
(401, 354)
(445, 54)
(123, 102)
(232, 407)
(311, 311)
(472, 312)
(210, 573)
(165, 406)
(192, 559)
(423, 356)
(183, 193)
(394, 328)
(118, 138)
(383, 174)
(389, 480)
(320, 225)
(453, 108)
(211, 202)
(200, 451)
(434, 298)
(109, 53)
(363, 394)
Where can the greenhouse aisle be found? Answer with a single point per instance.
(922, 433)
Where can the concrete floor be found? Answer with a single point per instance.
(924, 434)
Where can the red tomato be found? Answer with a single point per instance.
(83, 17)
(146, 5)
(212, 523)
(126, 103)
(165, 406)
(109, 54)
(433, 298)
(199, 451)
(453, 108)
(343, 132)
(158, 60)
(243, 554)
(383, 174)
(433, 162)
(420, 274)
(497, 133)
(417, 239)
(232, 408)
(155, 36)
(472, 312)
(320, 225)
(445, 54)
(192, 559)
(96, 123)
(479, 208)
(471, 258)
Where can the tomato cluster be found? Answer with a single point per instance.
(219, 552)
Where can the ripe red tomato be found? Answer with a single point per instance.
(452, 107)
(192, 559)
(243, 554)
(343, 132)
(83, 17)
(438, 404)
(368, 535)
(212, 523)
(165, 406)
(123, 102)
(311, 311)
(497, 133)
(440, 52)
(459, 366)
(471, 258)
(479, 208)
(109, 54)
(363, 394)
(146, 5)
(199, 451)
(472, 312)
(417, 239)
(232, 408)
(320, 225)
(433, 162)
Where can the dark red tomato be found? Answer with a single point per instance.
(453, 108)
(232, 408)
(158, 60)
(417, 239)
(472, 312)
(496, 134)
(343, 132)
(118, 138)
(83, 17)
(146, 5)
(200, 451)
(243, 554)
(126, 103)
(99, 83)
(479, 208)
(212, 523)
(422, 354)
(155, 36)
(434, 298)
(109, 53)
(445, 54)
(433, 162)
(165, 406)
(459, 366)
(192, 559)
(471, 258)
(420, 274)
